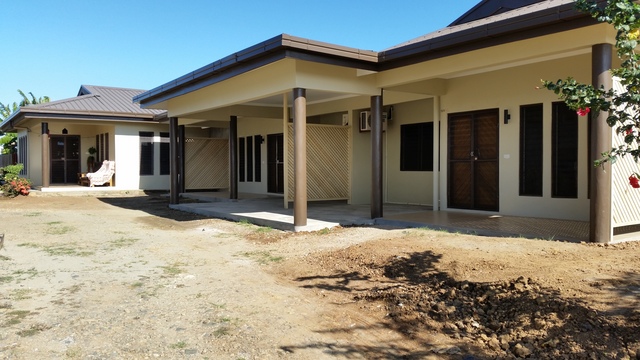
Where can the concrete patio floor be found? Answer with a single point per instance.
(270, 212)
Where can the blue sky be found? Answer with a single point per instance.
(53, 47)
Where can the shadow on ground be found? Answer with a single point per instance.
(153, 203)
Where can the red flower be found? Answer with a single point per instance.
(629, 131)
(634, 182)
(583, 111)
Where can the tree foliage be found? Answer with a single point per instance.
(8, 109)
(622, 107)
(8, 141)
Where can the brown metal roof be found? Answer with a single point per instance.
(266, 52)
(92, 103)
(530, 20)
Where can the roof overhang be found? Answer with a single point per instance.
(537, 20)
(23, 114)
(270, 51)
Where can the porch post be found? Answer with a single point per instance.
(233, 158)
(182, 160)
(174, 167)
(376, 156)
(46, 170)
(299, 157)
(600, 206)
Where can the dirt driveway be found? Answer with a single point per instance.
(127, 278)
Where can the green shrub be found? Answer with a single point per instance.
(12, 184)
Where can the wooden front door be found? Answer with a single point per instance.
(275, 163)
(65, 158)
(473, 160)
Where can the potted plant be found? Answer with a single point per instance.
(91, 160)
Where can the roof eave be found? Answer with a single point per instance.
(264, 53)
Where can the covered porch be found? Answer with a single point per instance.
(268, 211)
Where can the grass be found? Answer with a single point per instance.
(16, 317)
(178, 345)
(324, 231)
(6, 279)
(33, 329)
(173, 269)
(122, 242)
(262, 257)
(21, 294)
(263, 229)
(56, 228)
(137, 284)
(60, 250)
(33, 214)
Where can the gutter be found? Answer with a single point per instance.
(508, 27)
(267, 52)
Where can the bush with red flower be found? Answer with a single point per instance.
(12, 184)
(622, 107)
(15, 187)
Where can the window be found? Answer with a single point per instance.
(531, 150)
(165, 161)
(249, 158)
(22, 154)
(564, 152)
(102, 145)
(416, 147)
(258, 157)
(241, 159)
(146, 152)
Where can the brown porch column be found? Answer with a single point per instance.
(182, 160)
(376, 156)
(46, 161)
(600, 207)
(174, 166)
(233, 158)
(299, 157)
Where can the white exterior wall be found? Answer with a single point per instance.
(252, 127)
(126, 148)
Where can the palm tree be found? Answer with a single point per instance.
(7, 141)
(7, 110)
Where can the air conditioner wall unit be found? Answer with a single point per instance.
(365, 121)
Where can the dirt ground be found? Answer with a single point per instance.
(127, 278)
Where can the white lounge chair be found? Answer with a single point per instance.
(103, 175)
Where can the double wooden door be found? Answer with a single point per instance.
(65, 158)
(473, 160)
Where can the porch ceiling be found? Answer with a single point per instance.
(261, 93)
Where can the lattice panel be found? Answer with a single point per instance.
(207, 163)
(327, 162)
(625, 199)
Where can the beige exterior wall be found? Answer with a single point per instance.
(407, 187)
(509, 89)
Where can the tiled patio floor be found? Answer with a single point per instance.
(271, 212)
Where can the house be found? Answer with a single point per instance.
(452, 119)
(106, 119)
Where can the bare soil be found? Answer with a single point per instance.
(127, 278)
